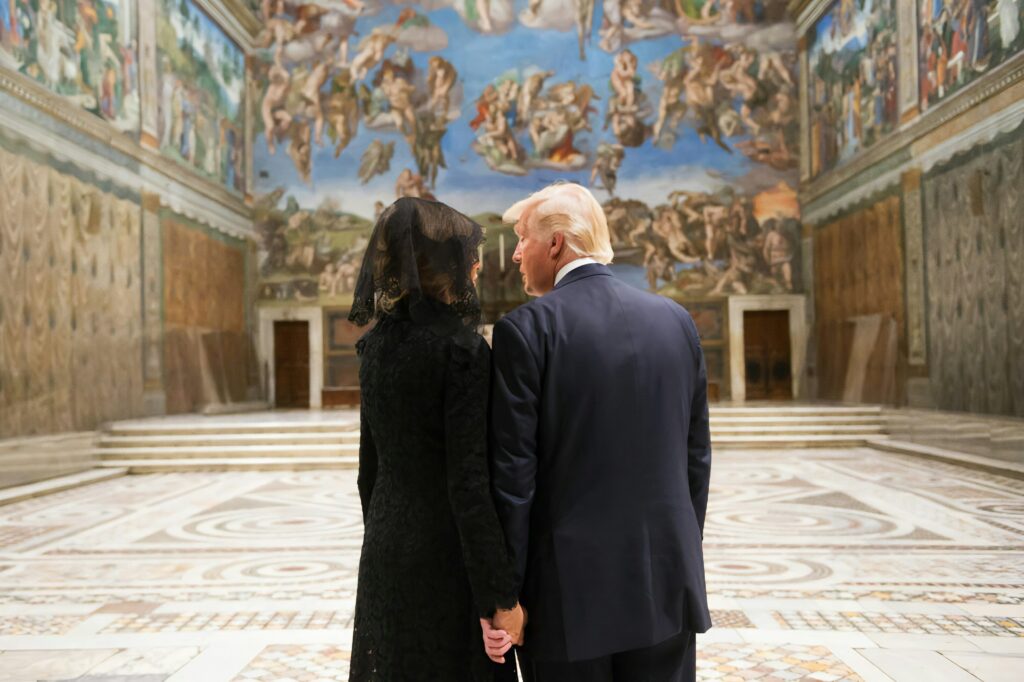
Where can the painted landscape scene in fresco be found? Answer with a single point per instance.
(84, 50)
(681, 116)
(202, 84)
(963, 39)
(853, 80)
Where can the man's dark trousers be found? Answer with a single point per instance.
(674, 660)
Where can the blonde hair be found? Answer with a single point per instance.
(572, 210)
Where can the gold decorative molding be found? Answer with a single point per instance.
(983, 91)
(56, 107)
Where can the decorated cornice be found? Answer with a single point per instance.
(40, 99)
(882, 164)
(1006, 120)
(237, 20)
(120, 160)
(182, 200)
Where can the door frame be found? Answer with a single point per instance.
(314, 316)
(796, 306)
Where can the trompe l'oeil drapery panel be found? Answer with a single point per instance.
(70, 307)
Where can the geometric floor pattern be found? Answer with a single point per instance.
(821, 565)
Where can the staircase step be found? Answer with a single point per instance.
(230, 452)
(788, 441)
(230, 439)
(153, 466)
(795, 410)
(768, 418)
(797, 430)
(226, 428)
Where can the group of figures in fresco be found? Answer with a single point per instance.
(202, 86)
(298, 241)
(85, 50)
(708, 243)
(319, 90)
(722, 89)
(961, 39)
(724, 92)
(853, 80)
(317, 84)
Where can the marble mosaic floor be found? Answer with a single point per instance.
(822, 565)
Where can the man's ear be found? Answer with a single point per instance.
(556, 245)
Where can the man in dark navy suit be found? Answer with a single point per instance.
(601, 458)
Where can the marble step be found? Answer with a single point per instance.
(230, 451)
(796, 429)
(154, 466)
(782, 441)
(771, 418)
(196, 427)
(219, 439)
(783, 409)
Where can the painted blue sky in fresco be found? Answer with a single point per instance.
(647, 173)
(828, 41)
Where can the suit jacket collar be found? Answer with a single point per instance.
(582, 272)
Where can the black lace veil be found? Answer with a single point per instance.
(418, 261)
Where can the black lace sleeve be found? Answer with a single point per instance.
(467, 385)
(367, 462)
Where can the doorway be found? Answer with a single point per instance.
(291, 363)
(767, 355)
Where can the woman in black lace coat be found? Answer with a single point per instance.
(434, 558)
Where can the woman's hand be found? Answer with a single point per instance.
(496, 642)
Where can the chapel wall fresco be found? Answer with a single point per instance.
(856, 64)
(83, 50)
(201, 75)
(852, 80)
(682, 117)
(162, 72)
(70, 311)
(961, 40)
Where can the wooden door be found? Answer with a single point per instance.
(766, 355)
(291, 364)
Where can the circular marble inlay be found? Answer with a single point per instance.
(784, 522)
(1002, 507)
(761, 571)
(263, 524)
(282, 570)
(342, 496)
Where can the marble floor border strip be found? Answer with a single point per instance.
(59, 484)
(976, 462)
